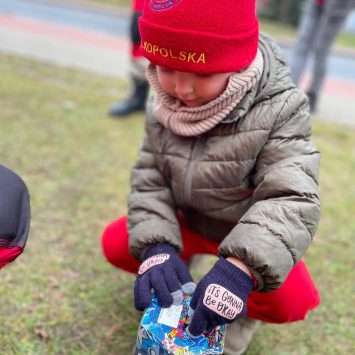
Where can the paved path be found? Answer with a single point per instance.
(69, 46)
(94, 38)
(72, 34)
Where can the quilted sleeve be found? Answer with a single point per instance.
(151, 209)
(282, 220)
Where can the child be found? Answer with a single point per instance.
(14, 216)
(227, 167)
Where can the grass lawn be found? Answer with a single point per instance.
(60, 296)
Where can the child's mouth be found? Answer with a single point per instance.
(190, 103)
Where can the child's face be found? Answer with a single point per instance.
(192, 89)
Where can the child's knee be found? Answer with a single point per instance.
(296, 307)
(107, 243)
(298, 295)
(113, 241)
(290, 303)
(291, 313)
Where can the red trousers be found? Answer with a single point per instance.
(290, 303)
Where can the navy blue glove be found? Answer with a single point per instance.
(220, 297)
(165, 272)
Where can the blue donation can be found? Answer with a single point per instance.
(162, 331)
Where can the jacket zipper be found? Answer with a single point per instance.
(196, 150)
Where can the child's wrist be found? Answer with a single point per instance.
(238, 263)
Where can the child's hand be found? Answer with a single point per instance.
(166, 273)
(220, 298)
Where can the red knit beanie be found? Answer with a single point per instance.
(200, 36)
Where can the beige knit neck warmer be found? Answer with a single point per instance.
(192, 121)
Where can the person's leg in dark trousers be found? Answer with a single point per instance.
(306, 36)
(333, 18)
(140, 87)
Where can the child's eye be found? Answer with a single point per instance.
(165, 70)
(203, 76)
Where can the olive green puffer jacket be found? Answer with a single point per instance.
(251, 182)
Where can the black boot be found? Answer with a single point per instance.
(312, 101)
(134, 103)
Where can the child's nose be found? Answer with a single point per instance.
(183, 84)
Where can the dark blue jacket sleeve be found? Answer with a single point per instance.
(14, 215)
